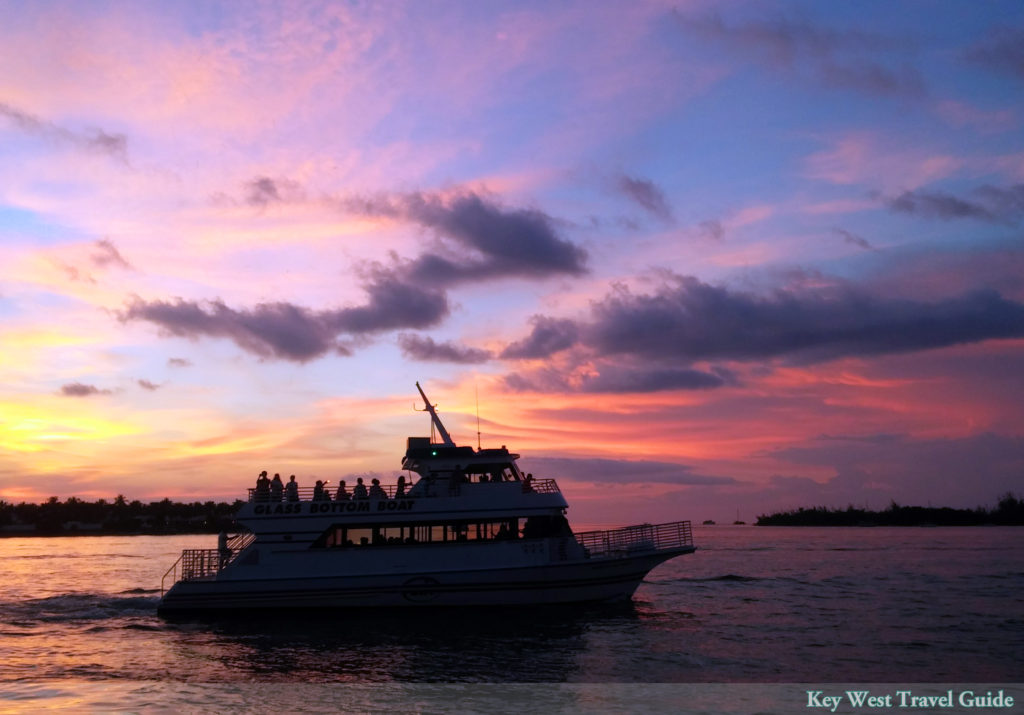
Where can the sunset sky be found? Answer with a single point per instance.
(694, 258)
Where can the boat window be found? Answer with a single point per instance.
(344, 536)
(491, 472)
(538, 527)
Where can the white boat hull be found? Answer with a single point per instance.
(588, 580)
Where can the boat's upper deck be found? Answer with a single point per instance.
(390, 491)
(432, 498)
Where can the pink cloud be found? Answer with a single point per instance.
(867, 160)
(961, 114)
(838, 206)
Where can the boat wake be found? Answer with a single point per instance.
(72, 607)
(726, 577)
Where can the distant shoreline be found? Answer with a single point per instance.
(119, 517)
(1008, 512)
(58, 534)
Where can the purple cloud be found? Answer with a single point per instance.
(987, 203)
(421, 348)
(647, 195)
(500, 242)
(78, 389)
(289, 332)
(854, 239)
(549, 336)
(712, 229)
(106, 255)
(1002, 51)
(646, 342)
(97, 140)
(262, 191)
(619, 471)
(839, 59)
(689, 320)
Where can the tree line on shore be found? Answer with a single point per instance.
(120, 516)
(1009, 511)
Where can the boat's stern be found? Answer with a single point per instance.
(672, 539)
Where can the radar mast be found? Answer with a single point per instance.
(445, 437)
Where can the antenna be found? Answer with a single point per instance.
(476, 390)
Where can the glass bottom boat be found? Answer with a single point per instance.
(470, 530)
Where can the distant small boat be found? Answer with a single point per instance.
(739, 523)
(709, 522)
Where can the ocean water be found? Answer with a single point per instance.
(78, 626)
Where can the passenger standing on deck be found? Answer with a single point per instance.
(318, 491)
(276, 488)
(342, 494)
(262, 487)
(376, 492)
(400, 489)
(360, 489)
(528, 483)
(223, 552)
(291, 490)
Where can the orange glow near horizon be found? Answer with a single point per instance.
(28, 428)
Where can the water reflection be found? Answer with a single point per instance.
(418, 645)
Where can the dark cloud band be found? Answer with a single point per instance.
(289, 332)
(647, 195)
(417, 347)
(986, 203)
(97, 140)
(78, 389)
(501, 242)
(648, 342)
(839, 59)
(690, 320)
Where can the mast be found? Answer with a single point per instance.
(445, 437)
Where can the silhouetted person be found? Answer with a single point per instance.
(291, 489)
(262, 487)
(342, 493)
(276, 488)
(376, 492)
(400, 489)
(223, 552)
(318, 491)
(359, 492)
(528, 483)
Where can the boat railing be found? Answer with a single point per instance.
(238, 542)
(541, 486)
(194, 564)
(308, 493)
(636, 539)
(537, 486)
